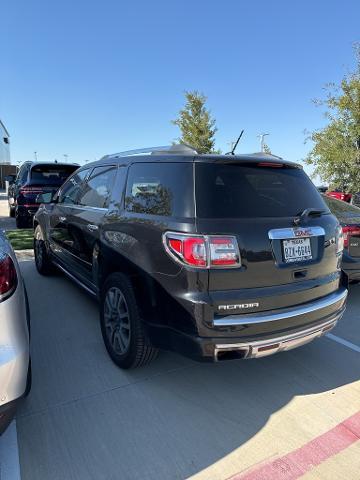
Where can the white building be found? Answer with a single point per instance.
(4, 145)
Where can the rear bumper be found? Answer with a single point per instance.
(299, 326)
(14, 348)
(27, 211)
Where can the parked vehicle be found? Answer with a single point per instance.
(213, 256)
(15, 366)
(355, 199)
(34, 178)
(322, 188)
(349, 218)
(339, 195)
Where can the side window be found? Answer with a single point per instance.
(97, 189)
(164, 189)
(71, 188)
(23, 174)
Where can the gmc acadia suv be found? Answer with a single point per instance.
(213, 256)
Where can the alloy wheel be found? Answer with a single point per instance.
(117, 320)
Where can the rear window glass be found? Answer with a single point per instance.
(245, 191)
(340, 208)
(51, 174)
(160, 189)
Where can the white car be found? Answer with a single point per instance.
(15, 366)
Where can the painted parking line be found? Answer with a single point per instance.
(340, 340)
(9, 454)
(295, 464)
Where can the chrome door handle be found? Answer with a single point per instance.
(62, 219)
(92, 228)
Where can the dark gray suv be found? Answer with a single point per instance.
(213, 256)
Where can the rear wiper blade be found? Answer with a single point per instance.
(310, 212)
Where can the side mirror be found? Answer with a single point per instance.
(45, 197)
(10, 178)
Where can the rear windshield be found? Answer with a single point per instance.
(51, 174)
(245, 191)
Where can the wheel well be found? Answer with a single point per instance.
(142, 283)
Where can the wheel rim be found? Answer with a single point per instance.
(117, 320)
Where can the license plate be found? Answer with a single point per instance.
(297, 250)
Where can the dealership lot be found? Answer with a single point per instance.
(176, 419)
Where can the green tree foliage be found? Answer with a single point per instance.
(196, 124)
(336, 147)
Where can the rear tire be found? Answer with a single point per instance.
(121, 325)
(43, 262)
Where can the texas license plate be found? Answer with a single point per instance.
(297, 250)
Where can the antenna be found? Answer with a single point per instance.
(235, 144)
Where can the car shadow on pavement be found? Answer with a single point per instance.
(86, 419)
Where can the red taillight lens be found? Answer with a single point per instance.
(203, 251)
(8, 276)
(224, 251)
(348, 232)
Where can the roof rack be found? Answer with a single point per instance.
(178, 149)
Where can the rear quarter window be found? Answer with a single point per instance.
(164, 189)
(245, 191)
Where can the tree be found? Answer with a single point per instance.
(336, 147)
(196, 125)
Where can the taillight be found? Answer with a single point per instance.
(30, 190)
(339, 236)
(348, 232)
(8, 276)
(203, 251)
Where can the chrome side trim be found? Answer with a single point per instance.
(249, 318)
(263, 348)
(83, 207)
(296, 232)
(76, 280)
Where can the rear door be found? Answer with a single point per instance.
(285, 259)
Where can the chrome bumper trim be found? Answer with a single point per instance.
(263, 348)
(249, 318)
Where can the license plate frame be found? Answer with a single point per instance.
(297, 250)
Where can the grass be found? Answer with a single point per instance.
(21, 239)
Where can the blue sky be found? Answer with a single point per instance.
(87, 78)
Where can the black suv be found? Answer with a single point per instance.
(213, 256)
(32, 179)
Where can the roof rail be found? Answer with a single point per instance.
(178, 149)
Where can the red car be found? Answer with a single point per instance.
(345, 197)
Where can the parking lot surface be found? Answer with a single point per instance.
(295, 414)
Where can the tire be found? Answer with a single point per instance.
(21, 222)
(43, 261)
(125, 338)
